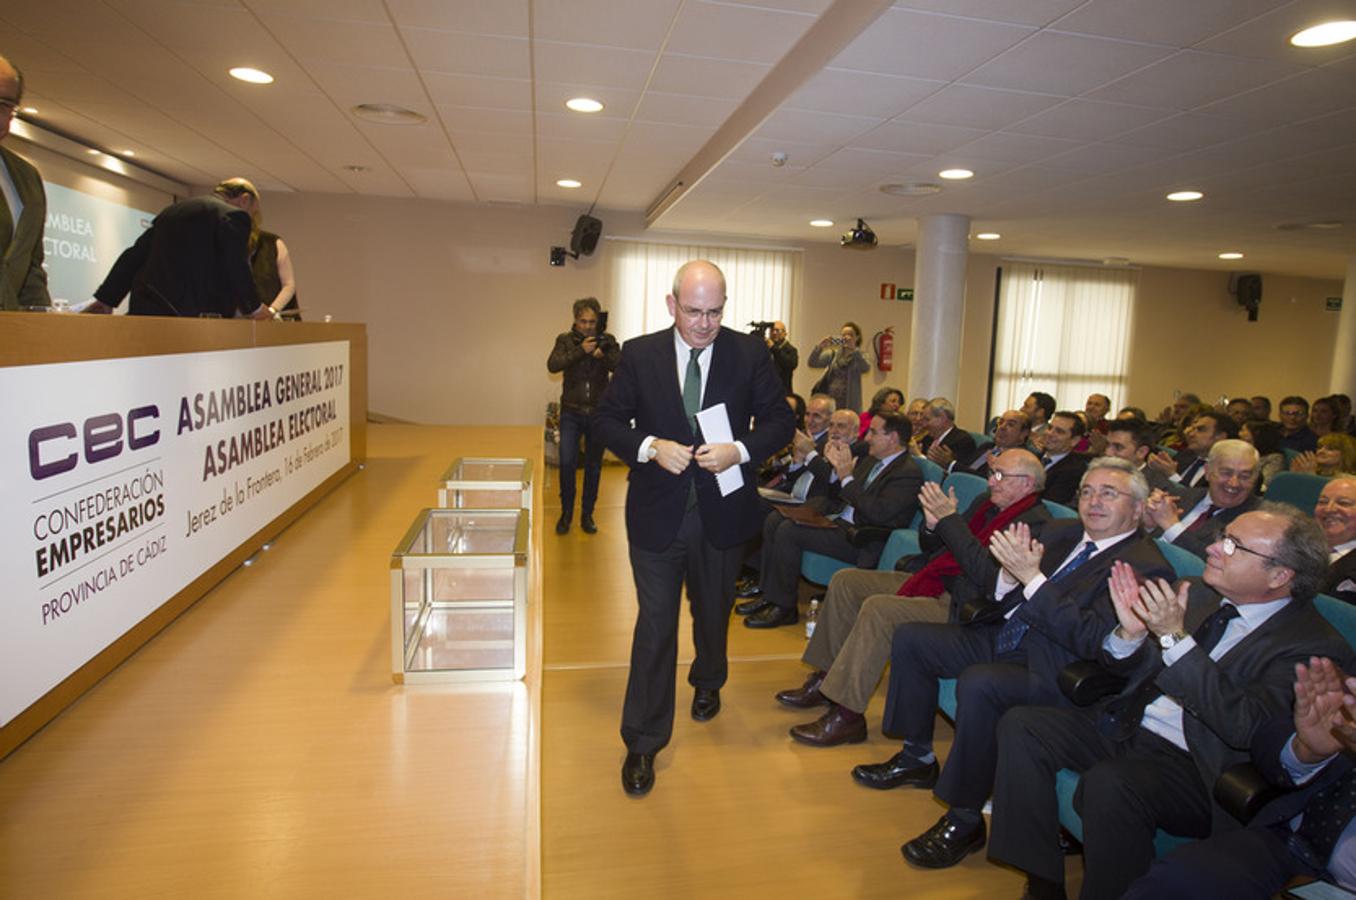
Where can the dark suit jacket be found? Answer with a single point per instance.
(889, 502)
(1071, 618)
(785, 358)
(1196, 540)
(193, 259)
(1062, 479)
(1342, 570)
(1267, 745)
(958, 441)
(979, 570)
(1226, 702)
(23, 281)
(645, 390)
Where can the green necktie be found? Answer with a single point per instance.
(692, 389)
(875, 470)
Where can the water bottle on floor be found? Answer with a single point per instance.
(811, 617)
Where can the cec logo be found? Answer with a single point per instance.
(103, 439)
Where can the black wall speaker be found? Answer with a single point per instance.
(1249, 290)
(584, 240)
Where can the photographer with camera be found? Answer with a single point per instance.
(587, 355)
(785, 357)
(845, 365)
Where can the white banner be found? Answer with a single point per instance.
(123, 480)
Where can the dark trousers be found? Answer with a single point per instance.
(986, 687)
(1247, 864)
(647, 714)
(573, 426)
(784, 542)
(1127, 791)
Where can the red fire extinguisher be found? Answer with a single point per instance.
(884, 342)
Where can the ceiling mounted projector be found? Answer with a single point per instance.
(859, 238)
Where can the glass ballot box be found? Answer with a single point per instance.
(459, 582)
(485, 483)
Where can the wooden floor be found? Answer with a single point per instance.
(258, 747)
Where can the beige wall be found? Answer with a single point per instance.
(462, 308)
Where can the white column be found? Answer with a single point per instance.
(1343, 380)
(938, 305)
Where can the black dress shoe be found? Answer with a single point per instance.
(748, 592)
(750, 606)
(771, 616)
(744, 582)
(563, 523)
(837, 726)
(807, 696)
(586, 523)
(638, 774)
(898, 770)
(944, 844)
(705, 704)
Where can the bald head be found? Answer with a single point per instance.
(11, 94)
(844, 425)
(697, 302)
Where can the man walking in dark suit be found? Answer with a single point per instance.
(681, 525)
(1209, 664)
(23, 210)
(192, 261)
(1307, 831)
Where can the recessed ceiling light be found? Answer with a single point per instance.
(584, 104)
(910, 189)
(956, 174)
(388, 114)
(988, 236)
(92, 152)
(128, 152)
(822, 223)
(1326, 34)
(1185, 196)
(31, 110)
(253, 76)
(1231, 255)
(568, 183)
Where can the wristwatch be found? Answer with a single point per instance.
(1168, 641)
(651, 452)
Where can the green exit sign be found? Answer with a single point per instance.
(891, 291)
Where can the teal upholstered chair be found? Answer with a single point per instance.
(1299, 489)
(1185, 563)
(1059, 510)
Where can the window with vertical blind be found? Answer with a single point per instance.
(761, 284)
(1064, 330)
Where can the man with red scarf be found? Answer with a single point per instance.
(862, 608)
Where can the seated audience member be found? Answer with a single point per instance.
(799, 407)
(878, 492)
(1261, 407)
(851, 643)
(1095, 420)
(1239, 409)
(1039, 407)
(1050, 607)
(1175, 413)
(1010, 433)
(1132, 412)
(887, 399)
(1265, 435)
(1210, 663)
(1345, 423)
(1295, 431)
(1188, 467)
(1322, 415)
(1133, 441)
(1063, 467)
(1306, 831)
(1336, 515)
(1335, 455)
(1230, 475)
(775, 471)
(943, 442)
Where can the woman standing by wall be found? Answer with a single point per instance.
(845, 365)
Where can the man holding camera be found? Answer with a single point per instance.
(785, 357)
(587, 355)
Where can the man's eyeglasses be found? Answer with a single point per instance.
(998, 475)
(1106, 493)
(710, 315)
(1228, 544)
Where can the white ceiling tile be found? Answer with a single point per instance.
(349, 86)
(656, 139)
(1064, 64)
(1013, 148)
(350, 43)
(636, 24)
(577, 127)
(447, 51)
(502, 188)
(1189, 79)
(904, 42)
(618, 103)
(977, 107)
(585, 64)
(1088, 120)
(459, 119)
(1102, 158)
(371, 11)
(1312, 93)
(1168, 22)
(1187, 131)
(816, 128)
(875, 162)
(681, 109)
(744, 33)
(1268, 36)
(861, 93)
(729, 79)
(472, 90)
(438, 184)
(505, 19)
(917, 137)
(1028, 12)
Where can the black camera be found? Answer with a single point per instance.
(760, 328)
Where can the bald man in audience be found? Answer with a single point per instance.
(942, 434)
(1011, 432)
(1193, 520)
(1336, 515)
(851, 643)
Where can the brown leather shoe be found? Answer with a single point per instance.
(837, 726)
(807, 696)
